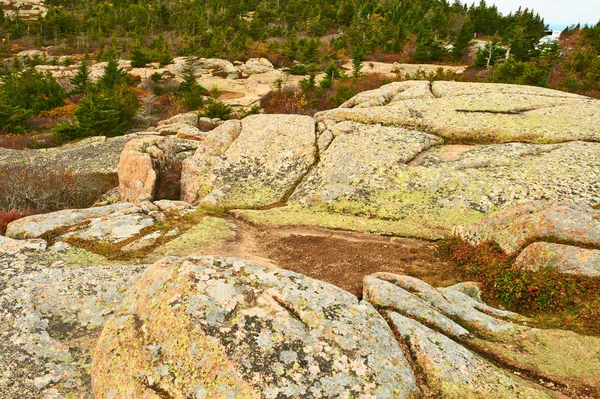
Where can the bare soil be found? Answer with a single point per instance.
(231, 95)
(340, 258)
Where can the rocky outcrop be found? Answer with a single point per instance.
(440, 173)
(53, 304)
(475, 112)
(261, 167)
(562, 236)
(237, 328)
(451, 336)
(150, 168)
(96, 155)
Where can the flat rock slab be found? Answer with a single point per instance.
(482, 113)
(114, 228)
(97, 156)
(36, 226)
(352, 189)
(563, 258)
(514, 228)
(222, 327)
(261, 166)
(360, 159)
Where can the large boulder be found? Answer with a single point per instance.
(150, 168)
(561, 236)
(514, 228)
(256, 66)
(563, 258)
(213, 327)
(261, 167)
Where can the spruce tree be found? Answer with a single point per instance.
(113, 75)
(463, 40)
(81, 80)
(139, 59)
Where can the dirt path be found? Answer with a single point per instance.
(341, 258)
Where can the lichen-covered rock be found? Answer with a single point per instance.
(453, 371)
(97, 157)
(389, 93)
(256, 66)
(436, 191)
(259, 168)
(114, 228)
(182, 130)
(450, 334)
(52, 307)
(563, 258)
(514, 228)
(150, 168)
(359, 160)
(36, 226)
(221, 327)
(482, 113)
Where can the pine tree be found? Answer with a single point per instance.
(463, 40)
(81, 80)
(139, 59)
(189, 75)
(113, 75)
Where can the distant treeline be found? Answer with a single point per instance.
(237, 29)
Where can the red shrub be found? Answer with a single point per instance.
(7, 217)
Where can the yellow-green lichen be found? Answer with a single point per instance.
(125, 365)
(208, 231)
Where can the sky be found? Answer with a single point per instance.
(556, 13)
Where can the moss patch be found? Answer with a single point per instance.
(208, 231)
(296, 215)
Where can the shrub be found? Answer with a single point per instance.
(561, 300)
(34, 189)
(217, 109)
(31, 91)
(10, 216)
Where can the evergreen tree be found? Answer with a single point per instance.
(32, 91)
(81, 80)
(427, 48)
(463, 40)
(113, 75)
(357, 60)
(189, 75)
(139, 59)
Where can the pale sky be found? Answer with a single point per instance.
(556, 13)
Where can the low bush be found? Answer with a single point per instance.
(39, 189)
(553, 299)
(312, 99)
